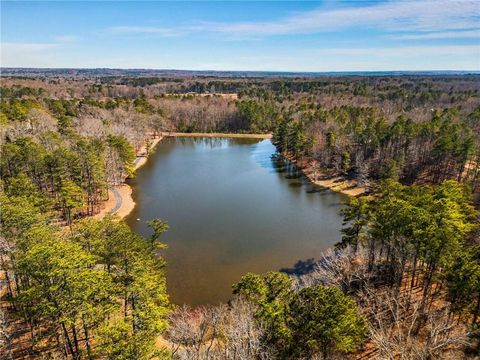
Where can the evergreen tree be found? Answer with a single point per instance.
(324, 320)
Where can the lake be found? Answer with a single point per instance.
(232, 209)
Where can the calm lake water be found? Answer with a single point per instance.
(232, 209)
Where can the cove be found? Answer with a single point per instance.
(232, 209)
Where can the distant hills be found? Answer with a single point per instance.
(96, 72)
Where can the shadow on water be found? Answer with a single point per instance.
(317, 189)
(288, 170)
(293, 175)
(295, 184)
(336, 204)
(301, 267)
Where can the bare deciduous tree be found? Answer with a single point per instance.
(220, 332)
(394, 327)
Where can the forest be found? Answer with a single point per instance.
(403, 282)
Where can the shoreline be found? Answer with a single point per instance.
(120, 202)
(336, 183)
(217, 135)
(142, 155)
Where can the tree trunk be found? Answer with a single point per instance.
(75, 341)
(477, 310)
(67, 339)
(87, 340)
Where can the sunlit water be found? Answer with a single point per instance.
(232, 209)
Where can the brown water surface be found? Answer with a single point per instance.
(232, 209)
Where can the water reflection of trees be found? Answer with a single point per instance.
(284, 166)
(215, 142)
(211, 143)
(288, 170)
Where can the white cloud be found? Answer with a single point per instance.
(468, 34)
(395, 16)
(162, 31)
(426, 15)
(455, 57)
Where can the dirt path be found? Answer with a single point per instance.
(120, 202)
(124, 200)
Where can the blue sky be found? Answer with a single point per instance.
(268, 35)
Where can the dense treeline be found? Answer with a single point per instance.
(131, 115)
(413, 129)
(68, 174)
(422, 233)
(94, 290)
(422, 243)
(409, 91)
(361, 144)
(410, 144)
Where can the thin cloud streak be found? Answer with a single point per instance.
(162, 31)
(401, 16)
(472, 34)
(398, 16)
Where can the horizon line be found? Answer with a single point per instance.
(477, 71)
